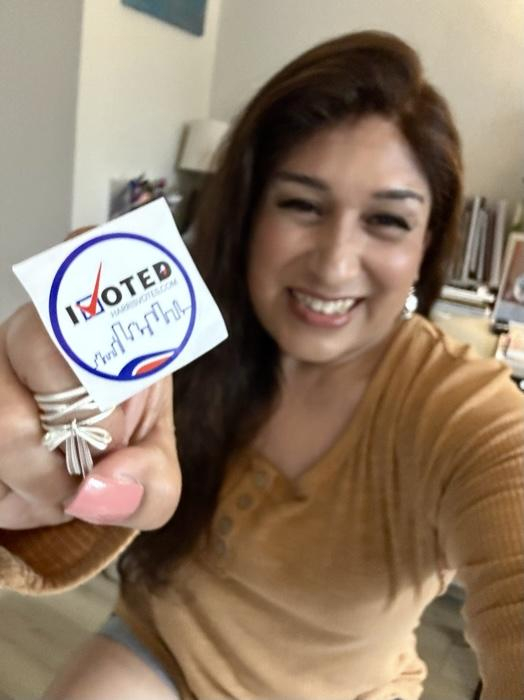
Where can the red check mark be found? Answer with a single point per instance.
(91, 307)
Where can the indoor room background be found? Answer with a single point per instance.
(93, 91)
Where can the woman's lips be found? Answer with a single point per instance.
(300, 304)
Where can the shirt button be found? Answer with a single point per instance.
(224, 525)
(244, 501)
(219, 546)
(261, 479)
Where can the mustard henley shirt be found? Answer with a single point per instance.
(312, 588)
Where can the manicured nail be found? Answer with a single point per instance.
(101, 500)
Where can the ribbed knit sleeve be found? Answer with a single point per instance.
(480, 520)
(54, 559)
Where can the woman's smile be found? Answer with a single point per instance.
(320, 311)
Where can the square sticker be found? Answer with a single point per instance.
(124, 303)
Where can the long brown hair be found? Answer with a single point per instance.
(223, 397)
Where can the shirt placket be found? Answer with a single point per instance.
(233, 511)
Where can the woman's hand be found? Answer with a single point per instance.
(135, 483)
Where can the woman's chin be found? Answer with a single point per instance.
(313, 352)
(323, 347)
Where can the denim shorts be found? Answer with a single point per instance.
(116, 629)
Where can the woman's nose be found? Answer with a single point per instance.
(337, 253)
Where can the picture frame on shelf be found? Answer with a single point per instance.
(509, 304)
(510, 349)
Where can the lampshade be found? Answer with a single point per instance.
(201, 141)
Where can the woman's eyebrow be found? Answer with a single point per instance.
(398, 194)
(302, 179)
(316, 183)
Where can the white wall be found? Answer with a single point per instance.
(140, 80)
(39, 53)
(473, 51)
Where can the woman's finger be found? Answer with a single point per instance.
(27, 469)
(137, 486)
(41, 368)
(17, 513)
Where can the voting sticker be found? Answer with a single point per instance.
(124, 303)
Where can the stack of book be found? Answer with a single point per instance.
(479, 258)
(475, 273)
(457, 301)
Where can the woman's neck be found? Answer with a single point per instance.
(299, 376)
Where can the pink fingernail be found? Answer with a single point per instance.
(101, 500)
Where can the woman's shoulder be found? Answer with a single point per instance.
(447, 410)
(429, 378)
(447, 392)
(433, 356)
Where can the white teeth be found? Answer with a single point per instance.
(329, 308)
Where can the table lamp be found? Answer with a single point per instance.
(202, 138)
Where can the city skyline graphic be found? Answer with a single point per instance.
(122, 339)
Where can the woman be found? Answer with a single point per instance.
(340, 462)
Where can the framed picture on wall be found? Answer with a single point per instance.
(186, 14)
(509, 305)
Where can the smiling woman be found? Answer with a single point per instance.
(340, 463)
(339, 238)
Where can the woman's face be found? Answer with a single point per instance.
(338, 239)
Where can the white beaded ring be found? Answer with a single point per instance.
(77, 434)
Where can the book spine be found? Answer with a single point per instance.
(454, 276)
(471, 239)
(498, 243)
(490, 235)
(482, 245)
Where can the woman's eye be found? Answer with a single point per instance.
(388, 221)
(303, 206)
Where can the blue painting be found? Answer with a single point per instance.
(187, 14)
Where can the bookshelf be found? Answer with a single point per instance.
(476, 271)
(478, 304)
(479, 257)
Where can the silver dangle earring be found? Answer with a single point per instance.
(410, 305)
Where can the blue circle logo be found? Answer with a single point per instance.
(134, 318)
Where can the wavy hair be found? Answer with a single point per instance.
(223, 397)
